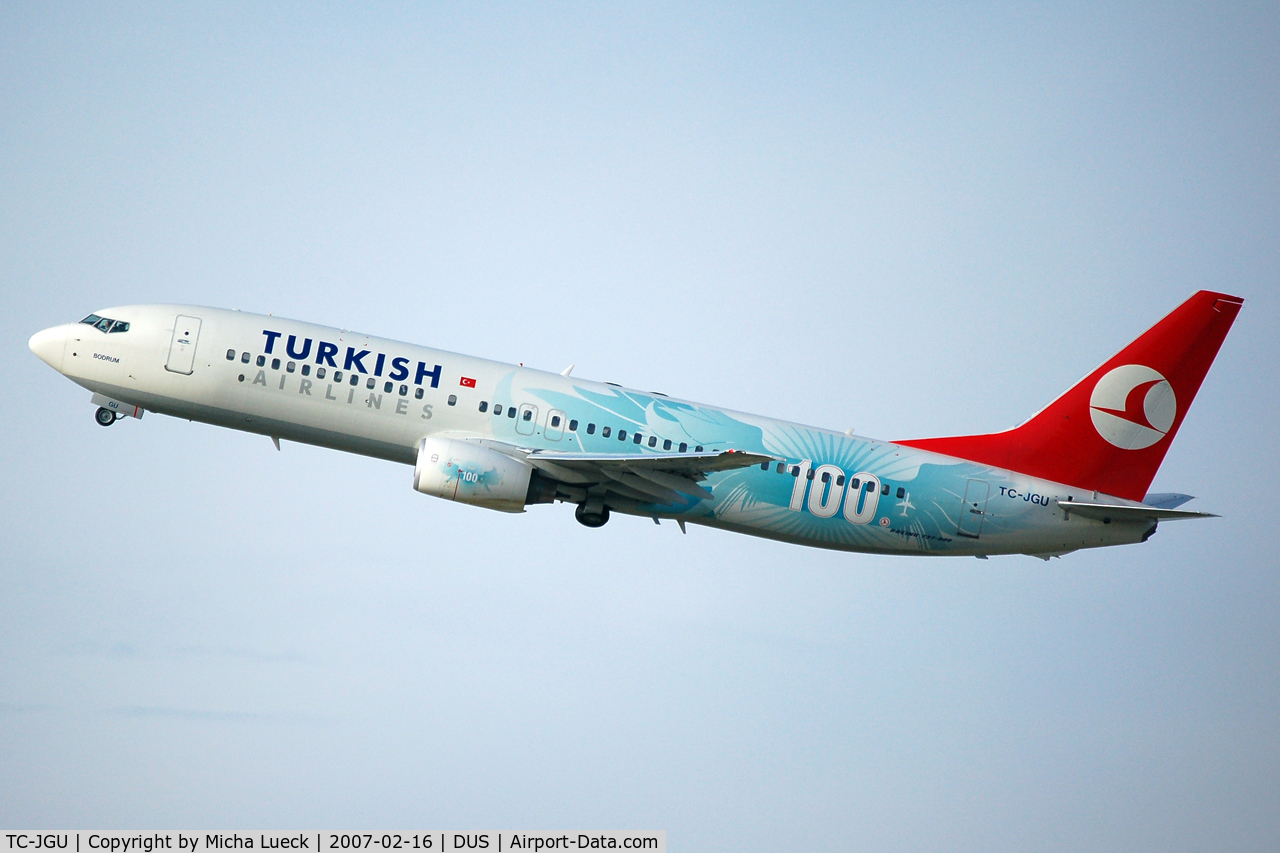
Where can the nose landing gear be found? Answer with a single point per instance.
(591, 519)
(105, 417)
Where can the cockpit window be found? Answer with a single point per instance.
(105, 324)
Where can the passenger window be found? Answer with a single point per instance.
(902, 493)
(388, 388)
(764, 466)
(573, 426)
(653, 441)
(370, 383)
(698, 449)
(782, 467)
(484, 405)
(417, 395)
(638, 438)
(511, 411)
(355, 379)
(591, 429)
(684, 447)
(497, 410)
(262, 361)
(795, 470)
(337, 376)
(666, 445)
(319, 373)
(244, 357)
(884, 490)
(606, 431)
(622, 435)
(855, 484)
(840, 480)
(826, 476)
(275, 364)
(231, 355)
(555, 420)
(528, 415)
(306, 370)
(809, 474)
(289, 368)
(404, 390)
(453, 399)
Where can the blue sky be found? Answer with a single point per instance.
(913, 221)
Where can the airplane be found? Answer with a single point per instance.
(1075, 475)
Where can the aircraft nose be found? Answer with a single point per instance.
(50, 345)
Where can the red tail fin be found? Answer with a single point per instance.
(1110, 432)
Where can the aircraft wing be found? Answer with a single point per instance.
(666, 478)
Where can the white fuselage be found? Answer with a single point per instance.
(352, 392)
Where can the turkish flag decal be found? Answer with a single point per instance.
(467, 382)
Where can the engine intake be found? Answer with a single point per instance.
(471, 474)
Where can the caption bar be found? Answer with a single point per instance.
(314, 842)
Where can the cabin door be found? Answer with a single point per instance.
(974, 509)
(182, 349)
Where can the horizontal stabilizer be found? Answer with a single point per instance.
(1127, 512)
(1166, 500)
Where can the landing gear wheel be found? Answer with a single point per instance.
(591, 519)
(104, 417)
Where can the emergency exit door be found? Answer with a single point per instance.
(182, 349)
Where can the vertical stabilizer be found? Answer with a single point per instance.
(1110, 432)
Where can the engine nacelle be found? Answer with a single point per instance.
(471, 474)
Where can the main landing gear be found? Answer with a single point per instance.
(106, 417)
(591, 519)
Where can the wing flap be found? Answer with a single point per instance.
(646, 488)
(675, 482)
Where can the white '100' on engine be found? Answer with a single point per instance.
(469, 473)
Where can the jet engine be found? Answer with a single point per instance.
(469, 473)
